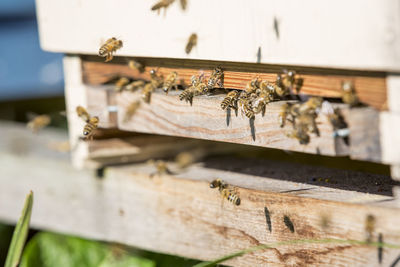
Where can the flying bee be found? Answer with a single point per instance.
(109, 47)
(307, 122)
(162, 4)
(349, 95)
(230, 100)
(370, 226)
(135, 85)
(156, 80)
(170, 82)
(135, 65)
(131, 110)
(82, 113)
(183, 4)
(161, 167)
(119, 85)
(226, 192)
(217, 77)
(192, 42)
(38, 123)
(147, 90)
(90, 126)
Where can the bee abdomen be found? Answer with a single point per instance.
(233, 198)
(186, 94)
(226, 102)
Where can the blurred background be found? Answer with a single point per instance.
(31, 80)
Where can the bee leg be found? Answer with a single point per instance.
(109, 57)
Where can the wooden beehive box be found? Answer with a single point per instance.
(326, 43)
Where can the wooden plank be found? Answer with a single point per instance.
(286, 32)
(365, 135)
(370, 87)
(206, 120)
(181, 215)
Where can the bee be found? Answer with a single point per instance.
(162, 4)
(90, 126)
(131, 110)
(188, 93)
(279, 89)
(252, 86)
(183, 4)
(299, 134)
(119, 85)
(156, 80)
(82, 113)
(192, 42)
(307, 122)
(244, 103)
(161, 167)
(147, 90)
(38, 122)
(230, 100)
(109, 47)
(333, 114)
(135, 85)
(311, 105)
(226, 192)
(283, 114)
(370, 226)
(170, 82)
(349, 94)
(135, 65)
(265, 96)
(217, 77)
(288, 79)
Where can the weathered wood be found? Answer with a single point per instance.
(181, 215)
(365, 136)
(206, 120)
(327, 83)
(285, 32)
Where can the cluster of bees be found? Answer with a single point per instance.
(250, 101)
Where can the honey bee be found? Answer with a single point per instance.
(135, 65)
(119, 85)
(109, 47)
(279, 89)
(226, 192)
(162, 4)
(288, 79)
(370, 227)
(244, 103)
(82, 113)
(252, 86)
(135, 85)
(90, 126)
(283, 114)
(311, 105)
(230, 100)
(38, 123)
(192, 42)
(188, 93)
(307, 122)
(300, 134)
(156, 80)
(161, 167)
(170, 82)
(147, 90)
(265, 96)
(349, 94)
(217, 77)
(183, 4)
(186, 158)
(131, 110)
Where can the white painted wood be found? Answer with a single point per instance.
(393, 92)
(390, 137)
(357, 34)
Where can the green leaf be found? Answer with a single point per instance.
(20, 233)
(50, 249)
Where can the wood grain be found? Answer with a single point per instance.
(327, 83)
(206, 120)
(179, 214)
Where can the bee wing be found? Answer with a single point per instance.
(327, 108)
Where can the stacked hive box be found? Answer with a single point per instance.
(325, 43)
